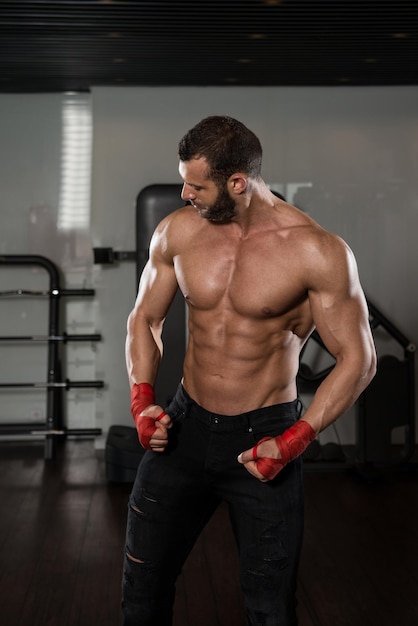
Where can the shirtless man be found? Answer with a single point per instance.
(258, 275)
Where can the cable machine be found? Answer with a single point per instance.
(388, 403)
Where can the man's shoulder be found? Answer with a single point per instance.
(179, 217)
(312, 244)
(307, 229)
(175, 229)
(176, 221)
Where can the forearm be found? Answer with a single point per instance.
(143, 354)
(143, 350)
(338, 392)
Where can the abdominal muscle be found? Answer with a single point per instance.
(240, 365)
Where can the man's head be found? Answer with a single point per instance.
(227, 145)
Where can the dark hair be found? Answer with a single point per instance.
(226, 144)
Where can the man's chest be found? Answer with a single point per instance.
(254, 279)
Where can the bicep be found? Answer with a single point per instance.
(158, 283)
(157, 288)
(338, 304)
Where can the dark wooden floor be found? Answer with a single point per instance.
(62, 533)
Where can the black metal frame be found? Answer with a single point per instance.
(308, 382)
(52, 428)
(406, 371)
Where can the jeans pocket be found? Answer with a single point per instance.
(175, 411)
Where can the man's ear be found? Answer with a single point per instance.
(237, 183)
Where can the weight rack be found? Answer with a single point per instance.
(52, 428)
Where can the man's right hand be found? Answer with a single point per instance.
(150, 419)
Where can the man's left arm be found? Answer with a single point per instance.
(340, 314)
(341, 317)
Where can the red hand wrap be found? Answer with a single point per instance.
(142, 396)
(291, 444)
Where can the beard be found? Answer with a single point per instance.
(222, 210)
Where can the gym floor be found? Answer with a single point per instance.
(62, 532)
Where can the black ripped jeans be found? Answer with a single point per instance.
(175, 494)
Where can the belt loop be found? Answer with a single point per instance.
(188, 406)
(185, 400)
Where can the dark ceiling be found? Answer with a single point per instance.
(73, 45)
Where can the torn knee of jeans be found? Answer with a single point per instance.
(261, 617)
(135, 509)
(278, 563)
(270, 535)
(277, 560)
(147, 496)
(267, 573)
(136, 561)
(145, 502)
(275, 554)
(133, 558)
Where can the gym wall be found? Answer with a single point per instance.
(348, 156)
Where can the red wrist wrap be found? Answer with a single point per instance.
(291, 444)
(142, 396)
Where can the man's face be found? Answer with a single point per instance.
(212, 203)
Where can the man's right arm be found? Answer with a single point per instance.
(156, 291)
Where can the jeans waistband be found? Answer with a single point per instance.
(283, 411)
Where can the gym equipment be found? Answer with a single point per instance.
(53, 427)
(388, 403)
(64, 338)
(108, 256)
(67, 384)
